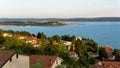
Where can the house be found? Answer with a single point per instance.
(73, 55)
(6, 34)
(11, 59)
(109, 51)
(32, 40)
(78, 38)
(47, 61)
(38, 44)
(92, 54)
(67, 44)
(21, 37)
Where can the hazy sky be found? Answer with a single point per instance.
(59, 8)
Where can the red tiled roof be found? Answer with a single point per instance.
(5, 56)
(110, 64)
(31, 38)
(46, 60)
(109, 50)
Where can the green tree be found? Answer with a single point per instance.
(92, 44)
(61, 47)
(25, 33)
(33, 35)
(85, 61)
(56, 38)
(41, 35)
(102, 53)
(37, 65)
(12, 43)
(116, 53)
(2, 39)
(55, 49)
(79, 47)
(117, 56)
(68, 37)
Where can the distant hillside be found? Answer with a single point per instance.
(62, 19)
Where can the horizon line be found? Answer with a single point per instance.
(57, 17)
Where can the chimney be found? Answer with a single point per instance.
(50, 60)
(17, 55)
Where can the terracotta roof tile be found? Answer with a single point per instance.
(5, 56)
(109, 50)
(31, 38)
(46, 60)
(110, 64)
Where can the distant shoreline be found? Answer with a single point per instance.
(115, 19)
(31, 23)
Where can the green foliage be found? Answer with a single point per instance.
(51, 41)
(117, 56)
(2, 39)
(33, 35)
(102, 53)
(56, 38)
(67, 37)
(59, 66)
(116, 52)
(79, 47)
(12, 43)
(85, 60)
(72, 66)
(55, 49)
(10, 31)
(92, 44)
(41, 35)
(24, 33)
(37, 65)
(53, 46)
(91, 60)
(64, 56)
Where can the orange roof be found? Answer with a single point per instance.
(5, 56)
(110, 64)
(46, 60)
(31, 38)
(109, 50)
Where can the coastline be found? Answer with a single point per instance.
(15, 25)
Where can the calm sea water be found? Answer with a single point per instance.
(105, 33)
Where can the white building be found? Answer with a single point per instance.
(10, 59)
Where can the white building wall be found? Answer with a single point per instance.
(21, 62)
(57, 62)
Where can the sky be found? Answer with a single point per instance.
(59, 8)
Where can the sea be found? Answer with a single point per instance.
(104, 33)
